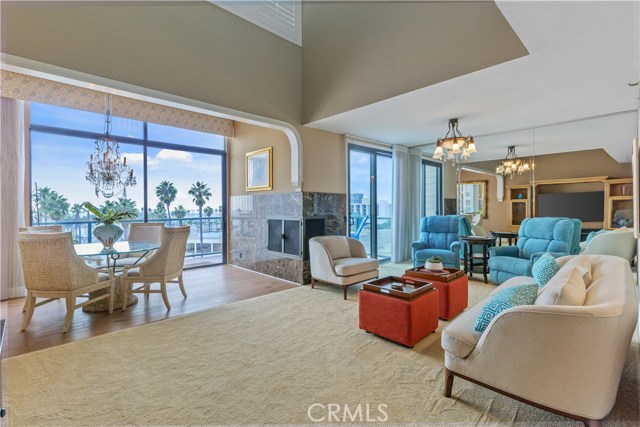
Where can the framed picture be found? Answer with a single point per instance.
(259, 168)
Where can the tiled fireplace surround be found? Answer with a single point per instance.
(248, 229)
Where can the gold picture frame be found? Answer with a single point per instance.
(259, 170)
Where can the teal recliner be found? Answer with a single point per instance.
(560, 236)
(440, 236)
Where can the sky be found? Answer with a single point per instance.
(60, 162)
(360, 172)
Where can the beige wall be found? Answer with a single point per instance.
(249, 138)
(325, 163)
(355, 54)
(449, 181)
(191, 49)
(553, 166)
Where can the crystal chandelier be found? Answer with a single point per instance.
(106, 170)
(454, 146)
(512, 164)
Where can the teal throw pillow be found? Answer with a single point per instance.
(593, 234)
(544, 269)
(507, 298)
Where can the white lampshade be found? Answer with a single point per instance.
(455, 148)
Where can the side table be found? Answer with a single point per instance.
(499, 235)
(474, 260)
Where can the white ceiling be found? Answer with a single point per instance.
(582, 56)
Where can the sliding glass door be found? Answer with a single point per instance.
(370, 195)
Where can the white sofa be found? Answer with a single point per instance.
(565, 359)
(341, 261)
(620, 242)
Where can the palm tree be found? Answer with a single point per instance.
(53, 205)
(126, 204)
(166, 193)
(158, 212)
(201, 195)
(180, 212)
(208, 211)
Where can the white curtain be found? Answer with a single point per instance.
(12, 195)
(406, 201)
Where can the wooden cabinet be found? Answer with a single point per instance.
(618, 199)
(519, 205)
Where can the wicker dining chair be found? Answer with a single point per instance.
(53, 270)
(142, 232)
(41, 229)
(162, 267)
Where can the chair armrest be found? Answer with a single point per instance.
(537, 255)
(418, 244)
(455, 247)
(321, 263)
(512, 251)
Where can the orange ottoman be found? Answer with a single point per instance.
(405, 321)
(453, 288)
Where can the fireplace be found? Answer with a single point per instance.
(290, 236)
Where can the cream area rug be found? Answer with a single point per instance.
(295, 357)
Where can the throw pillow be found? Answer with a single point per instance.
(583, 263)
(544, 269)
(555, 294)
(507, 298)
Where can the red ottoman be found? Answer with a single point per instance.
(453, 289)
(403, 321)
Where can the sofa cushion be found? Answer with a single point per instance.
(338, 247)
(515, 266)
(566, 288)
(593, 234)
(351, 266)
(583, 263)
(503, 300)
(544, 269)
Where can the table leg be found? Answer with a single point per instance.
(485, 257)
(464, 256)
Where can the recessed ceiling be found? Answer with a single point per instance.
(582, 57)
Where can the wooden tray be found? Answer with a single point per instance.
(411, 287)
(446, 275)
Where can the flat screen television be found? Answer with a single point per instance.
(587, 206)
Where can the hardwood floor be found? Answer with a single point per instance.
(206, 288)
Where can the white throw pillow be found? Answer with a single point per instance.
(583, 263)
(565, 288)
(338, 247)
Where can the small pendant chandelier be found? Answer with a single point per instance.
(107, 172)
(512, 164)
(454, 146)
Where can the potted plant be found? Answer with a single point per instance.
(434, 263)
(108, 231)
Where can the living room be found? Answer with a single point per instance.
(360, 85)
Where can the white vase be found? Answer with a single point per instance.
(433, 265)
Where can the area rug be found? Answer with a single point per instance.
(290, 358)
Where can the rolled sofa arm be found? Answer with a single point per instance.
(417, 245)
(321, 262)
(537, 255)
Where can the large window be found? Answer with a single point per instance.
(181, 176)
(370, 198)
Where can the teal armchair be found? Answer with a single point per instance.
(440, 236)
(536, 236)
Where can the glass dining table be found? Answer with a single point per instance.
(135, 251)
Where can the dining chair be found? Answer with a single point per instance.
(163, 267)
(53, 270)
(41, 229)
(142, 232)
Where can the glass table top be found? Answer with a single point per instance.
(120, 248)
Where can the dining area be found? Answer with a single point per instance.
(97, 277)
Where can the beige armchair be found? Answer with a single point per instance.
(162, 267)
(41, 229)
(53, 270)
(619, 242)
(142, 232)
(341, 261)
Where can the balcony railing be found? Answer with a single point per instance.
(82, 231)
